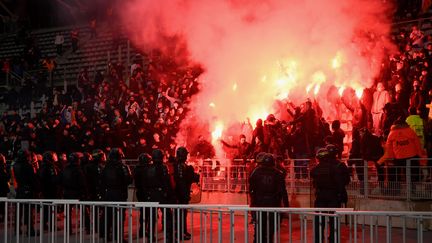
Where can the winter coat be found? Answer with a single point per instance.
(402, 143)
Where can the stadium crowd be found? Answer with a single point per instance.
(60, 153)
(144, 112)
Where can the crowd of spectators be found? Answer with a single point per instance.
(105, 112)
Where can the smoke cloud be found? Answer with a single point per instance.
(258, 51)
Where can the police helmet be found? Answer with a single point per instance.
(97, 153)
(333, 150)
(268, 160)
(74, 158)
(182, 153)
(144, 158)
(23, 155)
(260, 156)
(48, 157)
(116, 154)
(157, 155)
(322, 153)
(87, 158)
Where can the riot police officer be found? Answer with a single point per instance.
(329, 179)
(115, 179)
(49, 180)
(4, 183)
(73, 182)
(26, 187)
(142, 192)
(267, 189)
(184, 176)
(157, 183)
(92, 173)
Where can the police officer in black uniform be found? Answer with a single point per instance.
(27, 187)
(49, 180)
(4, 183)
(157, 183)
(267, 189)
(142, 193)
(184, 176)
(73, 182)
(92, 173)
(115, 179)
(329, 179)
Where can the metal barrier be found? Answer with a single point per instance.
(367, 180)
(77, 221)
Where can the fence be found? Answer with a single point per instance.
(77, 221)
(367, 180)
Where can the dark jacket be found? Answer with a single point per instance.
(184, 176)
(140, 182)
(73, 182)
(26, 180)
(329, 178)
(244, 150)
(267, 187)
(4, 181)
(92, 173)
(156, 182)
(115, 179)
(49, 181)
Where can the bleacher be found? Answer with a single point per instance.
(93, 53)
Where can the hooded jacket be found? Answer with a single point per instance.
(402, 143)
(416, 124)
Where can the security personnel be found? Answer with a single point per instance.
(115, 179)
(157, 183)
(26, 182)
(267, 189)
(4, 183)
(329, 179)
(184, 176)
(49, 179)
(73, 182)
(92, 173)
(142, 193)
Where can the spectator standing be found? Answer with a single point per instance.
(92, 26)
(416, 37)
(58, 42)
(338, 136)
(74, 39)
(238, 171)
(380, 98)
(415, 122)
(417, 98)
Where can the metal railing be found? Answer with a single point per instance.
(367, 179)
(77, 221)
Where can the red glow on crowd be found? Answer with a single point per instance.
(258, 52)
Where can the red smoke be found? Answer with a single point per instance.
(257, 51)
